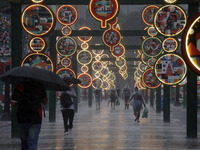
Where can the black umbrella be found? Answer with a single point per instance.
(50, 80)
(71, 80)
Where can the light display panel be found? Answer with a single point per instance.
(149, 13)
(86, 80)
(191, 44)
(39, 60)
(152, 46)
(170, 69)
(66, 30)
(170, 44)
(149, 79)
(84, 38)
(103, 10)
(66, 62)
(67, 15)
(37, 20)
(37, 44)
(170, 20)
(84, 57)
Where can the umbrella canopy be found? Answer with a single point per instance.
(50, 80)
(71, 80)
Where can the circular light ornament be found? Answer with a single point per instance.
(149, 79)
(106, 85)
(170, 20)
(149, 13)
(170, 69)
(105, 71)
(98, 51)
(170, 1)
(85, 38)
(97, 66)
(37, 20)
(66, 46)
(86, 80)
(84, 57)
(66, 30)
(152, 31)
(84, 69)
(67, 15)
(37, 44)
(37, 1)
(142, 67)
(97, 74)
(118, 51)
(121, 62)
(191, 44)
(66, 62)
(144, 59)
(170, 45)
(97, 83)
(151, 62)
(152, 47)
(38, 60)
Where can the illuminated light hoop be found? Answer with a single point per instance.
(118, 51)
(148, 14)
(84, 46)
(170, 45)
(37, 44)
(115, 34)
(84, 69)
(36, 30)
(152, 81)
(163, 27)
(97, 58)
(84, 57)
(170, 69)
(66, 30)
(151, 62)
(124, 68)
(190, 44)
(170, 1)
(37, 1)
(98, 52)
(152, 47)
(66, 62)
(84, 77)
(144, 59)
(112, 85)
(139, 53)
(63, 10)
(42, 63)
(97, 66)
(142, 67)
(184, 82)
(105, 71)
(98, 84)
(84, 38)
(105, 17)
(152, 31)
(68, 43)
(121, 62)
(97, 74)
(106, 85)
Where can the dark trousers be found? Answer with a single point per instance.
(68, 117)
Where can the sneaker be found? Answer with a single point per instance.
(66, 133)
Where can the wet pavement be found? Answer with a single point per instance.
(110, 130)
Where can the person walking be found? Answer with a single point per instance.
(98, 96)
(137, 103)
(28, 97)
(67, 109)
(126, 95)
(113, 96)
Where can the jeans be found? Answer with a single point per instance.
(68, 117)
(29, 134)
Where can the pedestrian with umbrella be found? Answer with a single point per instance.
(28, 96)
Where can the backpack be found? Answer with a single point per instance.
(65, 100)
(29, 103)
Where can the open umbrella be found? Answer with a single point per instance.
(50, 80)
(71, 80)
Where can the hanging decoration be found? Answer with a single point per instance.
(170, 45)
(103, 10)
(170, 69)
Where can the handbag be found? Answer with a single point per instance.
(145, 112)
(131, 102)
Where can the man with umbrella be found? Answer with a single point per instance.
(28, 95)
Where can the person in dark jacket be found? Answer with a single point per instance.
(137, 103)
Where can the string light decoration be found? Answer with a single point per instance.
(32, 22)
(66, 46)
(84, 57)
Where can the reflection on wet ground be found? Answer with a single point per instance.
(111, 130)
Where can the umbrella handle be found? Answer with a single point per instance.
(44, 111)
